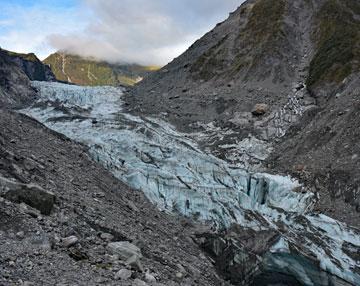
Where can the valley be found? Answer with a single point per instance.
(236, 164)
(149, 155)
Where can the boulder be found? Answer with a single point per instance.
(106, 236)
(237, 254)
(150, 278)
(124, 249)
(30, 194)
(260, 109)
(127, 252)
(123, 274)
(69, 241)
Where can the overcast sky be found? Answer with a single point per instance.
(141, 31)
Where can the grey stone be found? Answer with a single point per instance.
(134, 262)
(124, 249)
(123, 274)
(107, 236)
(70, 241)
(20, 235)
(149, 278)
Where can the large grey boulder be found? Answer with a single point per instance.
(124, 249)
(127, 252)
(123, 274)
(30, 194)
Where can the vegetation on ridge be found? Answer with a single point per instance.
(87, 71)
(262, 31)
(29, 57)
(338, 43)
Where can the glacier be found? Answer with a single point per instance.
(170, 168)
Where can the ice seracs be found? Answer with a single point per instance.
(176, 175)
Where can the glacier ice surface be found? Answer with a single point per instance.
(150, 155)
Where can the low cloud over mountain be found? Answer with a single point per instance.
(142, 31)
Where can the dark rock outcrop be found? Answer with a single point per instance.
(31, 66)
(15, 88)
(30, 194)
(262, 258)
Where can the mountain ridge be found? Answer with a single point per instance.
(90, 71)
(30, 65)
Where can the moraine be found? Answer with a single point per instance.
(169, 167)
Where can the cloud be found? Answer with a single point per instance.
(133, 31)
(25, 28)
(142, 31)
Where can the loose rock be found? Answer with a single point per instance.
(20, 235)
(70, 241)
(123, 274)
(124, 249)
(179, 275)
(107, 236)
(149, 278)
(260, 109)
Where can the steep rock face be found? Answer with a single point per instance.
(87, 71)
(31, 66)
(15, 88)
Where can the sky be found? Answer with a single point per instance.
(134, 31)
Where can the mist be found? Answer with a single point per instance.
(150, 32)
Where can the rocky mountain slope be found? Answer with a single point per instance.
(82, 71)
(280, 74)
(294, 245)
(65, 220)
(31, 66)
(15, 88)
(137, 202)
(66, 238)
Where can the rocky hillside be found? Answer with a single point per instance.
(31, 66)
(249, 58)
(277, 73)
(93, 195)
(62, 214)
(81, 71)
(64, 219)
(15, 87)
